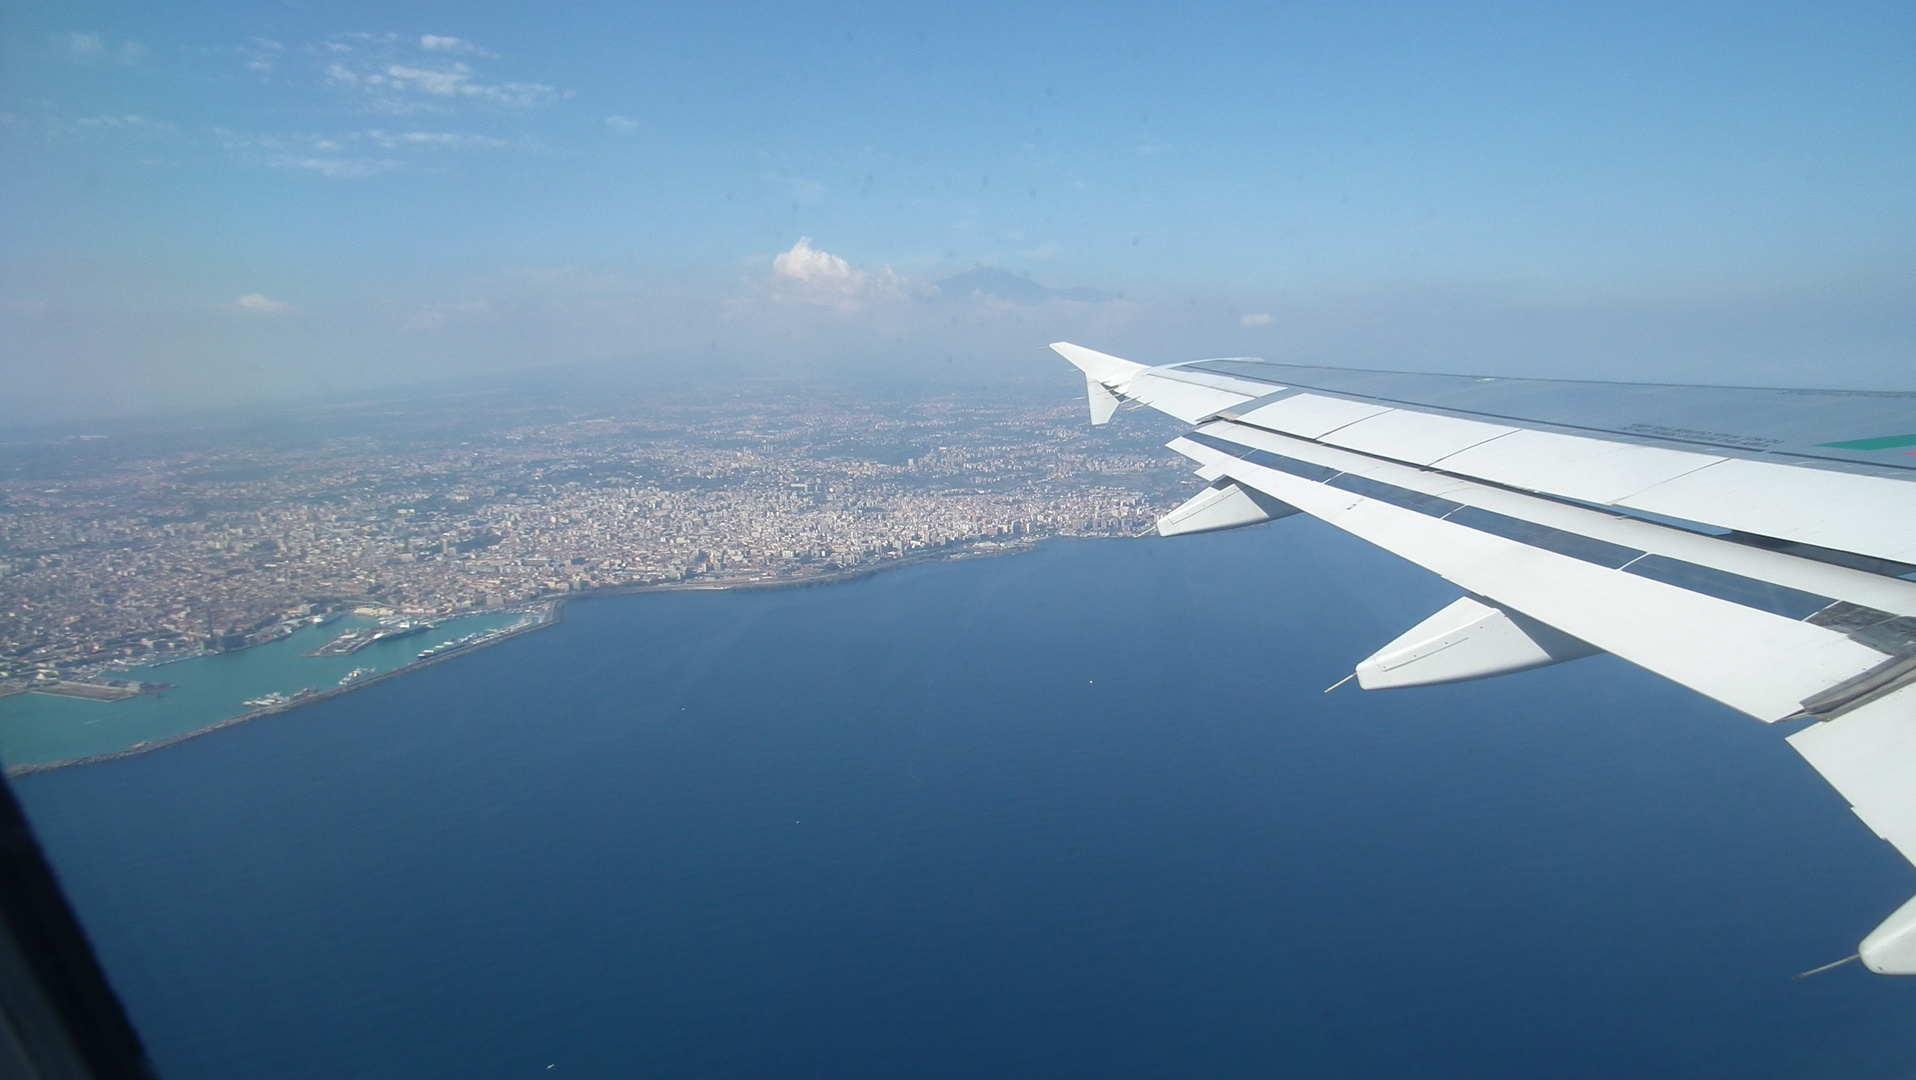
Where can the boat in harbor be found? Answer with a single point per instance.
(450, 646)
(355, 675)
(267, 701)
(352, 641)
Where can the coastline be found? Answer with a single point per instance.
(555, 613)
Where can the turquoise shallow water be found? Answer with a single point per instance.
(37, 729)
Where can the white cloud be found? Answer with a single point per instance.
(433, 140)
(88, 48)
(819, 277)
(440, 43)
(347, 156)
(444, 82)
(401, 78)
(129, 122)
(336, 168)
(261, 304)
(314, 154)
(433, 317)
(813, 267)
(1258, 318)
(622, 125)
(263, 54)
(457, 82)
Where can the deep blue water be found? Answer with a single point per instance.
(1081, 813)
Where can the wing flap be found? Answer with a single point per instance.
(1869, 755)
(1751, 659)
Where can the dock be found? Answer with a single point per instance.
(352, 641)
(102, 690)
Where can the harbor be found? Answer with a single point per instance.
(57, 723)
(46, 726)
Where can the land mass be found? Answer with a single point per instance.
(135, 546)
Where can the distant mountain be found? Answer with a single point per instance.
(1001, 285)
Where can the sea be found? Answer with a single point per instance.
(1083, 812)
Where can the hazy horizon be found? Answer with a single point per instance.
(230, 203)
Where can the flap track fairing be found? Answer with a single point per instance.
(1470, 639)
(1226, 504)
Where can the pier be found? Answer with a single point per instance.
(352, 641)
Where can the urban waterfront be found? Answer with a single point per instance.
(42, 729)
(126, 547)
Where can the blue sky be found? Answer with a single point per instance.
(209, 203)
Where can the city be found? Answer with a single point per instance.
(115, 550)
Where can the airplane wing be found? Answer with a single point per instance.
(1755, 545)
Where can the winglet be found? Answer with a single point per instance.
(1101, 367)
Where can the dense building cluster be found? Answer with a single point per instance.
(120, 547)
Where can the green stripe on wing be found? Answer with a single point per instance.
(1888, 442)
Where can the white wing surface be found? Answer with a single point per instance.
(1757, 546)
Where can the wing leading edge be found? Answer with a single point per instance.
(1719, 545)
